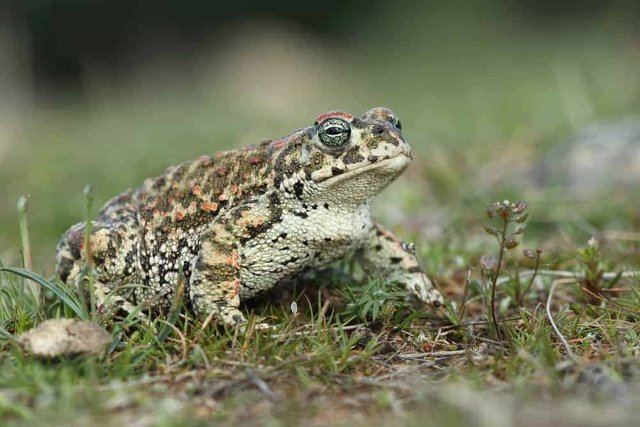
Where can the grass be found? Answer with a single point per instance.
(482, 117)
(349, 351)
(322, 355)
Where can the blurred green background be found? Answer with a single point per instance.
(490, 94)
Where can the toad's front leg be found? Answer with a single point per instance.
(387, 255)
(215, 281)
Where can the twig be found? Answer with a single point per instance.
(490, 341)
(313, 331)
(434, 354)
(554, 326)
(568, 275)
(260, 385)
(479, 322)
(235, 363)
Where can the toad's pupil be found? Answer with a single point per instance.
(334, 130)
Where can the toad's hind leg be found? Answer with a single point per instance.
(113, 251)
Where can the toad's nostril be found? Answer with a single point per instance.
(377, 130)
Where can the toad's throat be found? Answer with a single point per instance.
(360, 184)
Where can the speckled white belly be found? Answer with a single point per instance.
(297, 242)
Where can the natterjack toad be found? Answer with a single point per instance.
(239, 221)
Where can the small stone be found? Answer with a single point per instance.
(65, 337)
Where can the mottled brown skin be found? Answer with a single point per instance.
(240, 221)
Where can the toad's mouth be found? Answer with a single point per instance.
(381, 171)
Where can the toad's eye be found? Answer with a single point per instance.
(334, 132)
(395, 122)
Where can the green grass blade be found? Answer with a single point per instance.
(58, 291)
(174, 313)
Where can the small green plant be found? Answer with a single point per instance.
(375, 300)
(591, 259)
(511, 218)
